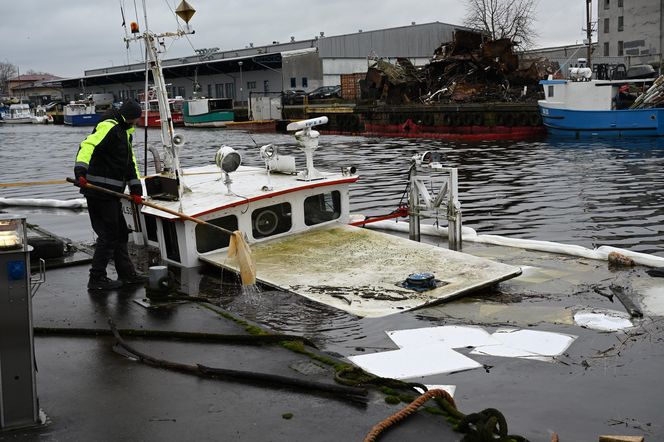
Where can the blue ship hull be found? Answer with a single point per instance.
(82, 120)
(603, 123)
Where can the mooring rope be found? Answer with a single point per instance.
(378, 429)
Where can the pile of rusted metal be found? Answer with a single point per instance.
(469, 69)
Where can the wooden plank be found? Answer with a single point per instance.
(359, 270)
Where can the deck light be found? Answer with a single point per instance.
(134, 27)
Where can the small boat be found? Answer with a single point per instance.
(208, 112)
(17, 114)
(581, 107)
(40, 116)
(80, 113)
(154, 120)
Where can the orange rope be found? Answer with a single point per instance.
(402, 414)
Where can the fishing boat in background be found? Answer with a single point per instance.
(208, 112)
(17, 114)
(580, 106)
(80, 113)
(154, 120)
(40, 116)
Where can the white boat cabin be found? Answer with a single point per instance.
(263, 203)
(594, 95)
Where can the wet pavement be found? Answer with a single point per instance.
(604, 383)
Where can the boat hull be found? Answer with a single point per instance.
(154, 120)
(16, 120)
(603, 123)
(81, 120)
(212, 119)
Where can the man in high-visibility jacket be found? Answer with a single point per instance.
(106, 159)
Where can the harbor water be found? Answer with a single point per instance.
(590, 193)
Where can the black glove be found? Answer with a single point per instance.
(136, 189)
(80, 171)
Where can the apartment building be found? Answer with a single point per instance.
(630, 29)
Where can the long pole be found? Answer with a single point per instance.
(146, 108)
(589, 30)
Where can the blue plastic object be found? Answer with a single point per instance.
(16, 270)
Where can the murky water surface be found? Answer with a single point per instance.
(577, 192)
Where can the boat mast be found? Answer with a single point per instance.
(170, 140)
(589, 30)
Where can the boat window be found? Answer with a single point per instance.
(220, 104)
(271, 220)
(151, 227)
(171, 240)
(208, 238)
(321, 208)
(550, 94)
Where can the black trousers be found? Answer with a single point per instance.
(112, 236)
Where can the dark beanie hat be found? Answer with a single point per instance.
(130, 109)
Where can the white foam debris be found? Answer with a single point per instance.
(530, 344)
(469, 234)
(603, 320)
(452, 336)
(430, 350)
(414, 362)
(37, 202)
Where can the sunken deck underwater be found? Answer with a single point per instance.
(361, 271)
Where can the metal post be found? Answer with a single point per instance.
(454, 213)
(413, 209)
(241, 83)
(589, 30)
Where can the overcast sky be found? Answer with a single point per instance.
(69, 36)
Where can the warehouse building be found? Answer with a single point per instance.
(269, 69)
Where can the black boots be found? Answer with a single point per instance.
(134, 278)
(103, 283)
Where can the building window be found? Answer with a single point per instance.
(550, 91)
(620, 3)
(620, 48)
(209, 94)
(606, 25)
(606, 49)
(251, 85)
(606, 4)
(293, 82)
(305, 82)
(230, 90)
(620, 23)
(266, 86)
(218, 91)
(181, 91)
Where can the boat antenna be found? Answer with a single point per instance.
(170, 140)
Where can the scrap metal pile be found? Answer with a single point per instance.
(653, 97)
(468, 69)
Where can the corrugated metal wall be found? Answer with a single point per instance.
(407, 41)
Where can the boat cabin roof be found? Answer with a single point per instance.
(601, 82)
(209, 194)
